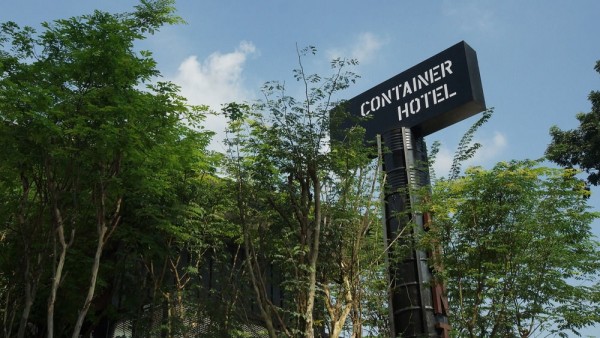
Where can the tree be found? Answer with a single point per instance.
(77, 128)
(306, 209)
(283, 153)
(172, 221)
(519, 257)
(580, 147)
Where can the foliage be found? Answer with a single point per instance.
(465, 150)
(518, 252)
(353, 274)
(305, 208)
(107, 187)
(104, 176)
(580, 147)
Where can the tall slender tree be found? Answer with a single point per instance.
(307, 208)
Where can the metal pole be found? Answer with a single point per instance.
(411, 282)
(386, 240)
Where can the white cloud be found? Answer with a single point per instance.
(214, 81)
(491, 148)
(469, 15)
(363, 48)
(443, 162)
(366, 47)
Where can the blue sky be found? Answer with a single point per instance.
(536, 57)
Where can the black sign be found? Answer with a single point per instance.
(438, 92)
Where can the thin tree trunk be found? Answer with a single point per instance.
(29, 297)
(356, 320)
(59, 232)
(58, 269)
(103, 235)
(340, 310)
(92, 287)
(181, 280)
(254, 275)
(314, 254)
(8, 323)
(30, 283)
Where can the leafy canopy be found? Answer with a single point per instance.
(518, 251)
(580, 147)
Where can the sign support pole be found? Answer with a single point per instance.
(386, 240)
(412, 291)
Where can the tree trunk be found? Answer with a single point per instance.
(8, 323)
(314, 254)
(58, 269)
(256, 285)
(92, 287)
(29, 296)
(103, 235)
(56, 278)
(356, 320)
(252, 261)
(30, 281)
(339, 311)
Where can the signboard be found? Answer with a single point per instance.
(438, 92)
